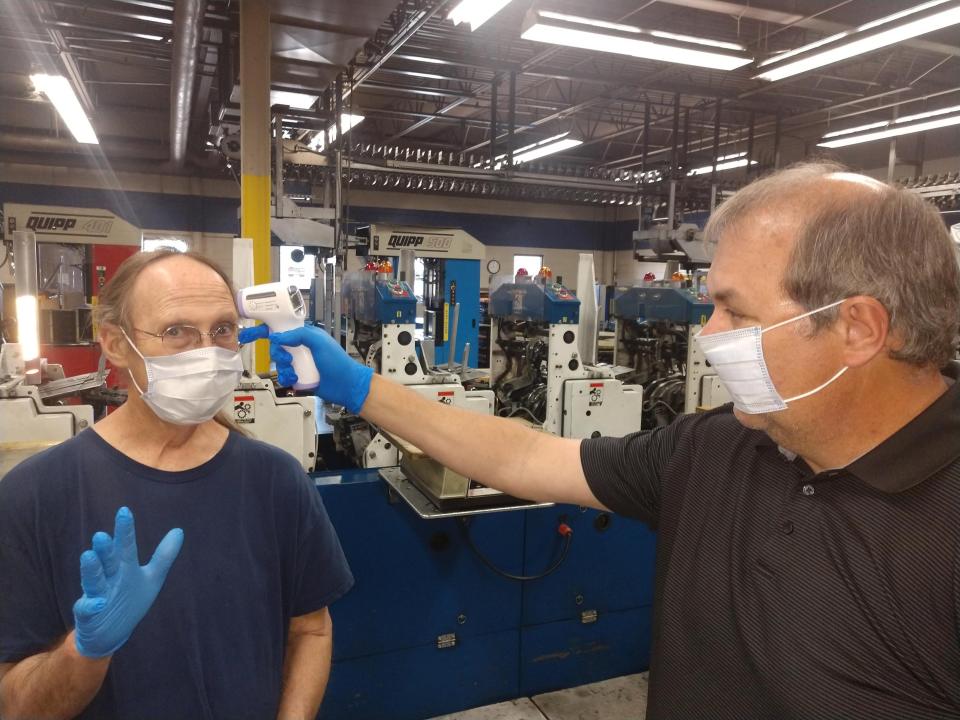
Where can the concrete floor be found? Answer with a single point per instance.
(622, 698)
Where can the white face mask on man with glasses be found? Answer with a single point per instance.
(189, 387)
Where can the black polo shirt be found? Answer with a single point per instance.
(781, 593)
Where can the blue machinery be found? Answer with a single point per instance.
(428, 629)
(451, 259)
(541, 372)
(655, 327)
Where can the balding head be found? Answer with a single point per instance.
(180, 289)
(828, 234)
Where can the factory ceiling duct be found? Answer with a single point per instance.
(187, 27)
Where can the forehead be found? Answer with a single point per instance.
(180, 289)
(752, 255)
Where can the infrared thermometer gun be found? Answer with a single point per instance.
(280, 307)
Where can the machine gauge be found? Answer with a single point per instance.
(493, 267)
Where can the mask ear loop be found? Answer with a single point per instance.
(801, 317)
(805, 315)
(137, 351)
(816, 389)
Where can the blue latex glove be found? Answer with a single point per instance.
(343, 380)
(117, 591)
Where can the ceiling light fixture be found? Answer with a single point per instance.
(476, 12)
(910, 23)
(727, 162)
(602, 36)
(539, 149)
(551, 145)
(893, 128)
(347, 123)
(58, 91)
(295, 100)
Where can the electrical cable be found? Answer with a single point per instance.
(563, 530)
(518, 411)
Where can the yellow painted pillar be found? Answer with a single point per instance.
(255, 143)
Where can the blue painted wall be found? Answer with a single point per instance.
(190, 213)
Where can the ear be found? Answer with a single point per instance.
(865, 324)
(115, 346)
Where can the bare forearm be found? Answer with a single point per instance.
(55, 684)
(497, 452)
(306, 668)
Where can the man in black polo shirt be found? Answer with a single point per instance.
(808, 562)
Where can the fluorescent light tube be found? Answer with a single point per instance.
(347, 123)
(539, 149)
(28, 322)
(892, 129)
(298, 101)
(858, 129)
(602, 36)
(931, 113)
(726, 162)
(58, 91)
(919, 20)
(542, 149)
(476, 12)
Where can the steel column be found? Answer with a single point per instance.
(511, 117)
(255, 147)
(493, 119)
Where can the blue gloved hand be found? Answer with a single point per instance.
(117, 591)
(343, 380)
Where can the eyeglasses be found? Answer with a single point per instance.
(181, 337)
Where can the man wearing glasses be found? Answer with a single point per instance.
(229, 617)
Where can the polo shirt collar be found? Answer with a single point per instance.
(926, 444)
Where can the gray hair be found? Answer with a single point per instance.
(889, 244)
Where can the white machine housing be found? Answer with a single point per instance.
(586, 400)
(395, 360)
(25, 419)
(289, 423)
(450, 243)
(703, 389)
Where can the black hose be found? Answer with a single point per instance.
(562, 529)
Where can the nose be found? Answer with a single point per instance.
(714, 324)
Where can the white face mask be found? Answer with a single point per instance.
(737, 356)
(190, 387)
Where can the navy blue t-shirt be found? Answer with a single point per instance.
(258, 549)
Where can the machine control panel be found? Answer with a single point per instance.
(680, 305)
(530, 300)
(561, 292)
(372, 298)
(398, 289)
(396, 303)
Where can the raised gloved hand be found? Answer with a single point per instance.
(343, 380)
(117, 591)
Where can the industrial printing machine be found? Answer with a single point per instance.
(655, 326)
(480, 592)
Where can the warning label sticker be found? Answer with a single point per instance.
(244, 409)
(596, 394)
